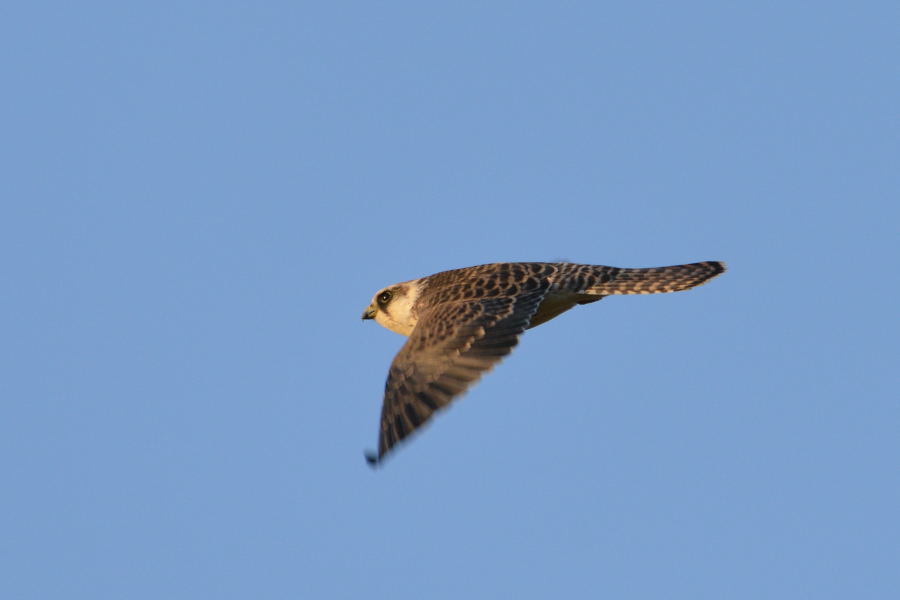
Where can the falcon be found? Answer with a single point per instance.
(461, 323)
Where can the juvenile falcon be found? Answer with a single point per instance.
(462, 322)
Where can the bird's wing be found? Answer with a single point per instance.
(452, 345)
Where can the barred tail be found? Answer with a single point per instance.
(655, 280)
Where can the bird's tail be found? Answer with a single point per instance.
(656, 280)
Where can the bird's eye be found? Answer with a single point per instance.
(385, 297)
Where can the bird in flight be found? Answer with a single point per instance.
(461, 323)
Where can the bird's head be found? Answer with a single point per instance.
(393, 307)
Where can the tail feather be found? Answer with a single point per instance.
(656, 280)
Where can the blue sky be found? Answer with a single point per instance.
(201, 198)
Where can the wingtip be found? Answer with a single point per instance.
(371, 458)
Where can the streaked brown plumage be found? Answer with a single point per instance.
(462, 322)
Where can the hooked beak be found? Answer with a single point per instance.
(369, 313)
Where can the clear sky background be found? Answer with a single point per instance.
(200, 198)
